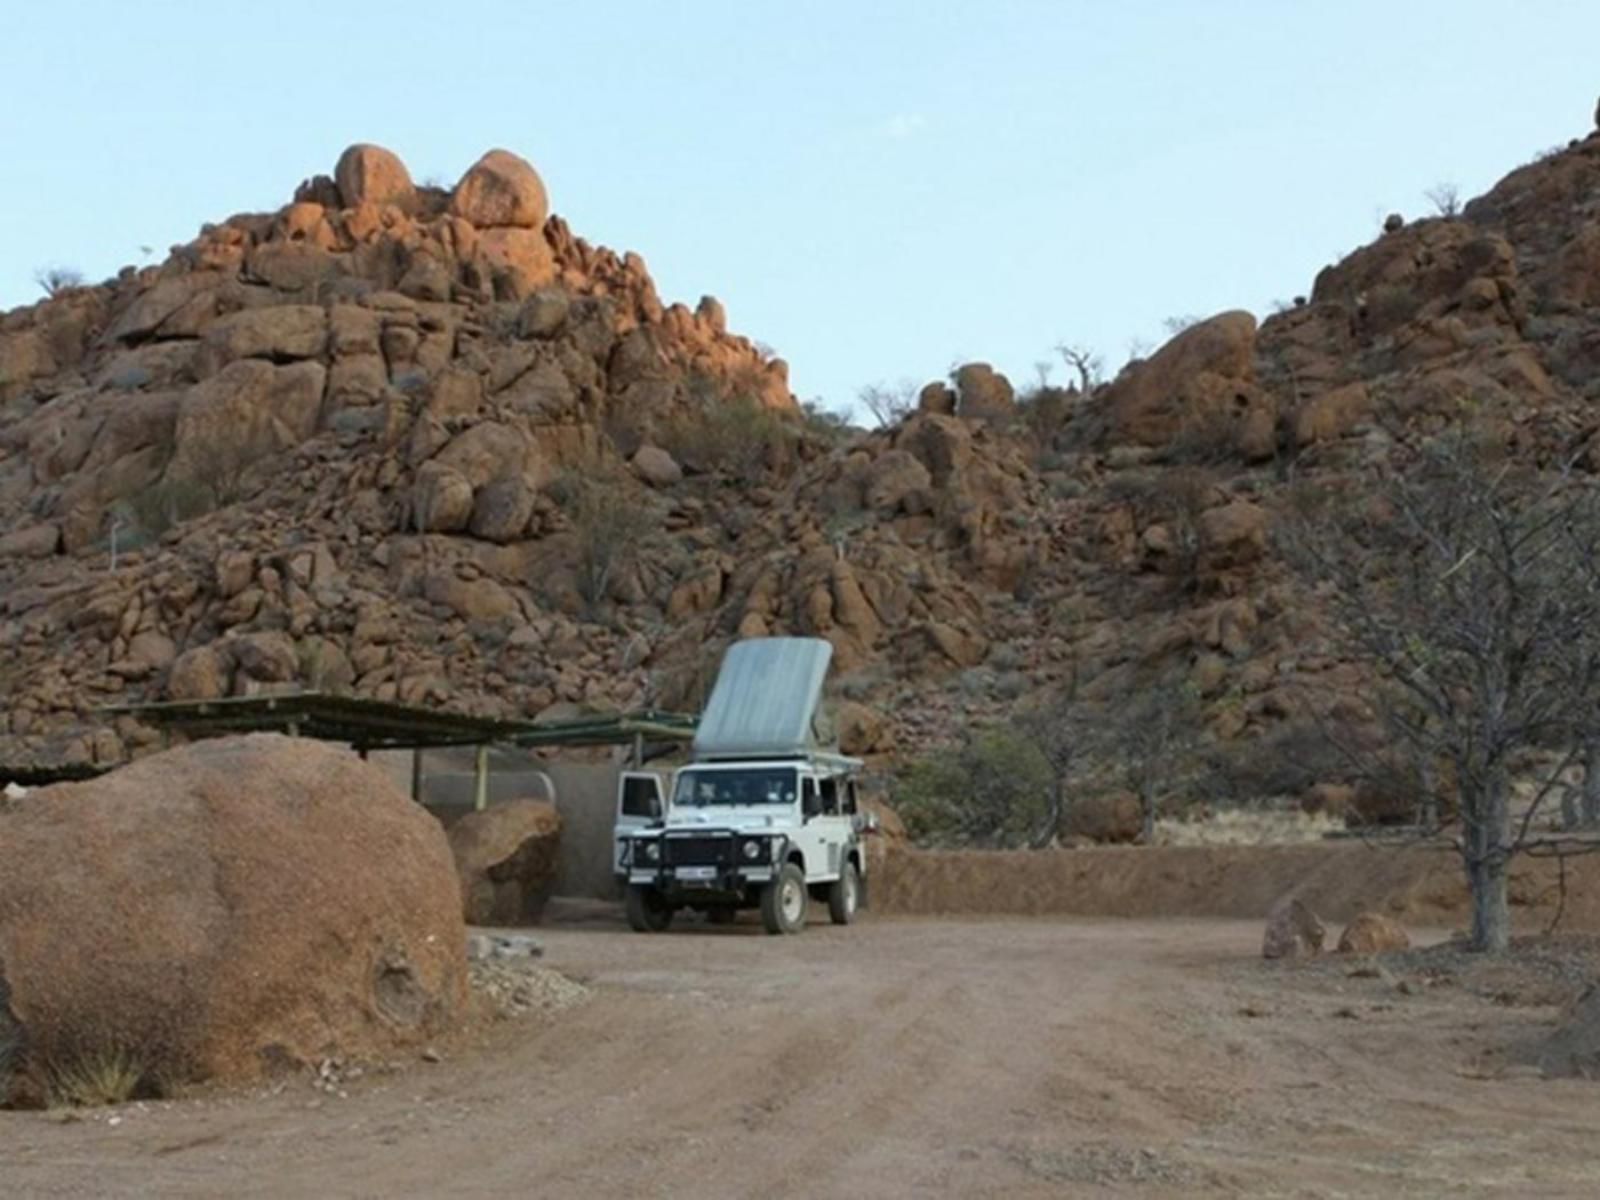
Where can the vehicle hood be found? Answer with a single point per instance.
(739, 820)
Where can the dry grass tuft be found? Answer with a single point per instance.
(95, 1079)
(1247, 827)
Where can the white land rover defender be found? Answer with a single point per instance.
(762, 817)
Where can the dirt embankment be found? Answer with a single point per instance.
(1421, 884)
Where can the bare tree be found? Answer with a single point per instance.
(1085, 362)
(1152, 734)
(888, 406)
(1468, 585)
(1445, 198)
(55, 280)
(1057, 728)
(609, 526)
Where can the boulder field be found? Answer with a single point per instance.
(426, 444)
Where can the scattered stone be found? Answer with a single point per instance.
(656, 467)
(1293, 931)
(1110, 818)
(506, 858)
(1373, 933)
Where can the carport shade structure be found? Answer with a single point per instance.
(368, 725)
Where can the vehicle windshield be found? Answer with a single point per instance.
(741, 788)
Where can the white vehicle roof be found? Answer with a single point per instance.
(765, 701)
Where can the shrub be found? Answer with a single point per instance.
(10, 1045)
(56, 280)
(888, 406)
(991, 791)
(108, 1075)
(609, 525)
(1043, 412)
(735, 437)
(824, 423)
(1284, 762)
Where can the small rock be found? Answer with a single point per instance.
(1372, 933)
(656, 467)
(430, 1055)
(1293, 931)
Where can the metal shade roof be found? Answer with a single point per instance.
(379, 725)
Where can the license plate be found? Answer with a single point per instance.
(697, 874)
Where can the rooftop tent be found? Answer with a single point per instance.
(765, 699)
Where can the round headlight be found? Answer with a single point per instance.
(652, 851)
(752, 850)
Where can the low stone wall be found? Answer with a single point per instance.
(1422, 884)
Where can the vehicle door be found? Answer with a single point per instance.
(836, 823)
(641, 802)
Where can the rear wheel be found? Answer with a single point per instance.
(648, 911)
(783, 901)
(844, 895)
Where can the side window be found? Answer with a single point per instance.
(808, 795)
(850, 798)
(640, 797)
(830, 796)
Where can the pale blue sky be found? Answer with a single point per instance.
(876, 189)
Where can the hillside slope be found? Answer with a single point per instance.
(431, 446)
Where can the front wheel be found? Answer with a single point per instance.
(783, 901)
(844, 895)
(648, 911)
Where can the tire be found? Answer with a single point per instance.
(648, 912)
(721, 916)
(844, 895)
(784, 901)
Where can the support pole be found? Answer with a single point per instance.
(480, 779)
(416, 775)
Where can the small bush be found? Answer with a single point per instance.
(888, 406)
(858, 685)
(736, 437)
(1285, 762)
(1389, 306)
(109, 1075)
(1004, 656)
(1206, 438)
(56, 280)
(992, 791)
(609, 524)
(10, 1046)
(824, 423)
(167, 502)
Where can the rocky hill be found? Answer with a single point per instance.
(431, 446)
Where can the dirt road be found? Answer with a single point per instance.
(901, 1057)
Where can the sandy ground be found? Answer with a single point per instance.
(900, 1057)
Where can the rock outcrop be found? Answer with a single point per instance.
(506, 858)
(223, 910)
(453, 454)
